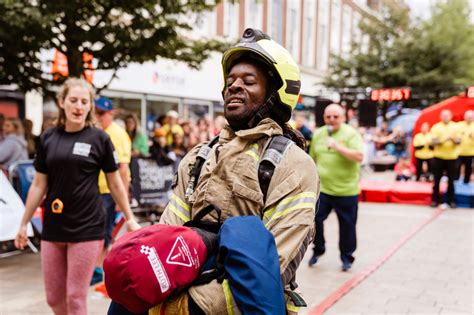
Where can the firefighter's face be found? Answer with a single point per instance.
(245, 93)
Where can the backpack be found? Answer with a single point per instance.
(146, 266)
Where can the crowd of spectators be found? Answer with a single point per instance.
(172, 137)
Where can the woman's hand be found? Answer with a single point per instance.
(21, 239)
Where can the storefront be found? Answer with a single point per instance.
(152, 89)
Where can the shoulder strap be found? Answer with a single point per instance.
(201, 157)
(272, 155)
(273, 152)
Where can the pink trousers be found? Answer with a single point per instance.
(67, 271)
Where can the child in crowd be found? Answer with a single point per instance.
(404, 169)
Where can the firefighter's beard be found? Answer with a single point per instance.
(239, 119)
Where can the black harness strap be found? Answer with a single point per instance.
(272, 156)
(196, 171)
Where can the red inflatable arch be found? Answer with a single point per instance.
(458, 105)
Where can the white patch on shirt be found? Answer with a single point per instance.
(116, 158)
(82, 149)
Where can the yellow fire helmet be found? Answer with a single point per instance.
(276, 57)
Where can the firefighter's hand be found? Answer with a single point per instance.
(177, 305)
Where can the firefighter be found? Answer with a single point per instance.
(261, 88)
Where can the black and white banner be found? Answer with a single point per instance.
(151, 183)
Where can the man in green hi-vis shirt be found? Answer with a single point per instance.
(337, 150)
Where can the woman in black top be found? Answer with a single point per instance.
(68, 162)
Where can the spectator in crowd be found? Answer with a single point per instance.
(123, 148)
(2, 120)
(337, 149)
(178, 146)
(466, 150)
(139, 140)
(160, 150)
(423, 152)
(50, 120)
(204, 130)
(369, 147)
(445, 139)
(380, 137)
(171, 126)
(190, 139)
(404, 169)
(13, 148)
(396, 142)
(300, 124)
(219, 123)
(30, 138)
(67, 164)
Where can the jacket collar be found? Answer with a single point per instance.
(267, 127)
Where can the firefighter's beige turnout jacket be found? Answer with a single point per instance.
(229, 180)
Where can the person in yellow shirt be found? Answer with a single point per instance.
(445, 139)
(423, 151)
(172, 127)
(466, 149)
(123, 148)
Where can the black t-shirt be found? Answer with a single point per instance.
(72, 161)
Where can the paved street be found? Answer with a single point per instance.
(431, 274)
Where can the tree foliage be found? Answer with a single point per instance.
(114, 32)
(432, 54)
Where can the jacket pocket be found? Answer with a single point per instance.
(246, 201)
(242, 191)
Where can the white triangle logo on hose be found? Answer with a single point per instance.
(179, 254)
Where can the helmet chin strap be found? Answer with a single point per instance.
(263, 111)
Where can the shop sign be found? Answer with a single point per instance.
(400, 94)
(60, 68)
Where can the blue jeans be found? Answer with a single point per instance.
(346, 211)
(109, 206)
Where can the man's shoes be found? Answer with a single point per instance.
(346, 266)
(434, 204)
(452, 205)
(98, 276)
(313, 260)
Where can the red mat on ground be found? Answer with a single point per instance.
(418, 193)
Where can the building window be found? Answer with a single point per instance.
(323, 31)
(309, 33)
(335, 26)
(231, 19)
(356, 32)
(254, 14)
(275, 20)
(293, 27)
(204, 24)
(346, 31)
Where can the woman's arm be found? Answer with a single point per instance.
(119, 194)
(35, 195)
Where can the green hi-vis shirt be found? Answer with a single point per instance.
(339, 176)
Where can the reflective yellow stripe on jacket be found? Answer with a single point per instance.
(253, 152)
(179, 207)
(228, 298)
(300, 201)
